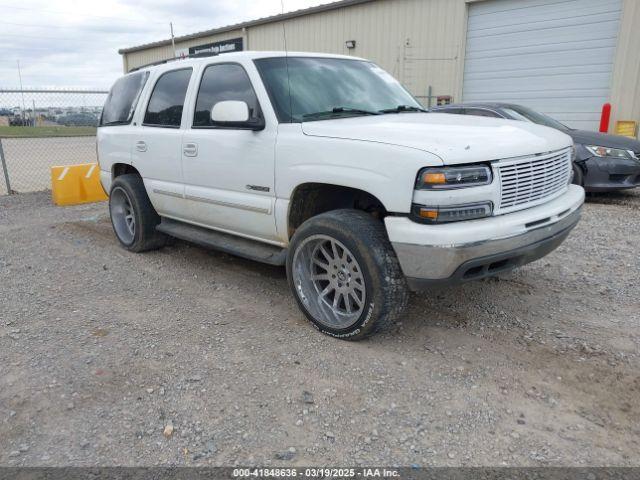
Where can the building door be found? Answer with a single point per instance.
(555, 56)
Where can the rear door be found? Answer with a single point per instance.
(157, 143)
(115, 133)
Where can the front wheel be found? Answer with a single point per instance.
(345, 275)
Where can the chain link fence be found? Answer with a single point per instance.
(42, 128)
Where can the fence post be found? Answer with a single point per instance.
(3, 160)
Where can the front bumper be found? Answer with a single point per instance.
(462, 251)
(604, 174)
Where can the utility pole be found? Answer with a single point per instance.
(21, 91)
(173, 40)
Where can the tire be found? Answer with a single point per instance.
(362, 272)
(133, 218)
(578, 175)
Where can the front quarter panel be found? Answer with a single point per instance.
(386, 171)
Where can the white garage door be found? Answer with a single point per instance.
(555, 56)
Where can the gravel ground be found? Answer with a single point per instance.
(191, 357)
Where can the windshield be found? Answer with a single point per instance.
(324, 88)
(528, 115)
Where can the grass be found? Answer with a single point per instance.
(55, 131)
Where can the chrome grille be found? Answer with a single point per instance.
(529, 181)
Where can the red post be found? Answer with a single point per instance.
(605, 118)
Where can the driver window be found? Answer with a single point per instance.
(226, 81)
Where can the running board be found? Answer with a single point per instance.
(225, 242)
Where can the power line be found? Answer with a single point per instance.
(44, 37)
(74, 14)
(33, 25)
(39, 37)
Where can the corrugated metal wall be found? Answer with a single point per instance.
(418, 41)
(421, 42)
(625, 89)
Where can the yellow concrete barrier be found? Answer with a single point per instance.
(75, 184)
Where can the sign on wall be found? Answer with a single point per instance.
(216, 48)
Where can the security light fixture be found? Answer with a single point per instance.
(350, 44)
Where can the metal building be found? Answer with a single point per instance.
(562, 57)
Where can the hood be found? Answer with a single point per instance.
(456, 139)
(585, 137)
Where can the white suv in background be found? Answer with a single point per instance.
(326, 164)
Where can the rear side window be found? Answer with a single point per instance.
(167, 100)
(122, 99)
(227, 81)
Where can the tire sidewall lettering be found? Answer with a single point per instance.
(367, 319)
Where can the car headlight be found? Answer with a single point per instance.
(452, 213)
(443, 178)
(610, 152)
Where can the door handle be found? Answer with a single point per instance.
(141, 146)
(190, 150)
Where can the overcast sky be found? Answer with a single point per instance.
(74, 43)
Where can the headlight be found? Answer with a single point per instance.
(452, 213)
(453, 177)
(610, 152)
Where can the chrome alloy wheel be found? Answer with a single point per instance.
(329, 281)
(122, 215)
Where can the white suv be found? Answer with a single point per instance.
(326, 164)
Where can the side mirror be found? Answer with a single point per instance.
(235, 114)
(230, 111)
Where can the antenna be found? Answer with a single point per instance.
(21, 90)
(173, 40)
(286, 61)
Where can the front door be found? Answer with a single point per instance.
(229, 172)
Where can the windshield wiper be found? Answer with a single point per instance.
(403, 108)
(336, 111)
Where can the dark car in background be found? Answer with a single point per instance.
(603, 162)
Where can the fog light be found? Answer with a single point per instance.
(455, 213)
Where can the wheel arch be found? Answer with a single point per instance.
(118, 169)
(313, 198)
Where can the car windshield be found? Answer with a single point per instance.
(528, 115)
(324, 88)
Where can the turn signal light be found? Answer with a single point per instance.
(430, 214)
(434, 178)
(453, 177)
(454, 213)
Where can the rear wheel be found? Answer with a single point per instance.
(133, 217)
(344, 274)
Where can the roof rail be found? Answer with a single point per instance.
(162, 62)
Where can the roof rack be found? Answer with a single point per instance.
(162, 62)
